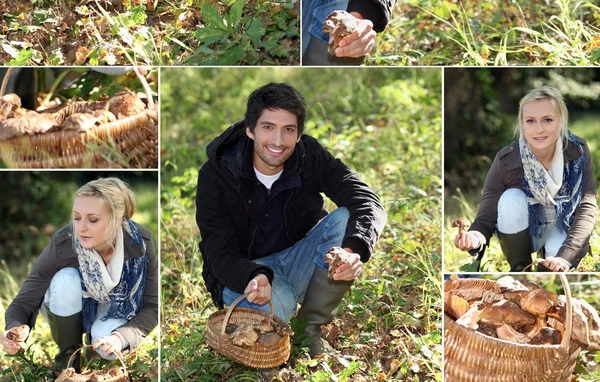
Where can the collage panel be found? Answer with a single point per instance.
(79, 266)
(149, 32)
(521, 326)
(252, 162)
(522, 162)
(65, 117)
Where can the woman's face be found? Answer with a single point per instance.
(540, 126)
(90, 222)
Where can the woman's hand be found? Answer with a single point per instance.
(108, 344)
(260, 289)
(11, 347)
(466, 241)
(555, 264)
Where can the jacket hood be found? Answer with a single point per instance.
(227, 149)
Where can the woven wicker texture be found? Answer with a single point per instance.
(257, 356)
(470, 356)
(134, 138)
(68, 375)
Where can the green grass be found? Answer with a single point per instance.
(491, 32)
(36, 363)
(232, 32)
(384, 124)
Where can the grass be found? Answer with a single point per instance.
(36, 363)
(389, 327)
(149, 32)
(491, 32)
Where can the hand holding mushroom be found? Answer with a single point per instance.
(464, 240)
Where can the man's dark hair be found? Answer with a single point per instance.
(275, 96)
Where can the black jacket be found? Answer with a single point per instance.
(378, 11)
(224, 213)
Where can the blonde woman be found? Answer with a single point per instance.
(540, 193)
(98, 275)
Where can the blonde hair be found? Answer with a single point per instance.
(115, 197)
(556, 99)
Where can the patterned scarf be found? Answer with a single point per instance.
(126, 297)
(536, 188)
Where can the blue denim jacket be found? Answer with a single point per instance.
(314, 13)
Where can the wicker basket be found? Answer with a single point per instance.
(64, 377)
(470, 356)
(131, 142)
(257, 356)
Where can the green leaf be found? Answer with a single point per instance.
(138, 15)
(208, 36)
(256, 31)
(595, 55)
(235, 14)
(232, 56)
(279, 51)
(21, 60)
(211, 17)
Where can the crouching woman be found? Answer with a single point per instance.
(98, 275)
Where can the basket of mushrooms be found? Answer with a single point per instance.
(513, 330)
(121, 131)
(251, 337)
(114, 374)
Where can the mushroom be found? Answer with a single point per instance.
(265, 326)
(125, 105)
(538, 302)
(244, 335)
(268, 339)
(335, 257)
(461, 223)
(8, 104)
(455, 306)
(586, 322)
(546, 336)
(338, 24)
(472, 316)
(508, 333)
(80, 122)
(506, 312)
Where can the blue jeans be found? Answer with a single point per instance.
(314, 13)
(294, 266)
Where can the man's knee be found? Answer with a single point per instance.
(64, 293)
(340, 216)
(513, 213)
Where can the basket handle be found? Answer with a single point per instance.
(146, 87)
(117, 353)
(230, 310)
(566, 341)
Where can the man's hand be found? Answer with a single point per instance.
(360, 42)
(351, 269)
(260, 288)
(9, 346)
(466, 241)
(108, 344)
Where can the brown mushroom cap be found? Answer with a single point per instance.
(506, 312)
(461, 222)
(539, 301)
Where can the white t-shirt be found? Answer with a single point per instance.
(267, 180)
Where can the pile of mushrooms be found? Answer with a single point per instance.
(16, 121)
(266, 333)
(519, 311)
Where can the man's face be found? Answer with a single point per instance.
(275, 137)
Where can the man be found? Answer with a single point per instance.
(372, 16)
(264, 226)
